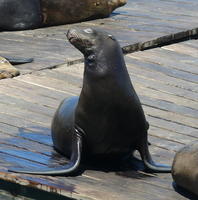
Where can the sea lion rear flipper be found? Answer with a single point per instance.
(148, 161)
(69, 168)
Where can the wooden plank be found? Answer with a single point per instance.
(15, 82)
(170, 135)
(163, 87)
(169, 106)
(168, 124)
(187, 121)
(13, 100)
(25, 132)
(8, 160)
(53, 84)
(167, 71)
(23, 113)
(169, 98)
(20, 122)
(29, 96)
(182, 49)
(165, 57)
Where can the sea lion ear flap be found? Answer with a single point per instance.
(88, 30)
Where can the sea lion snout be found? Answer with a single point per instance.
(82, 39)
(79, 33)
(72, 35)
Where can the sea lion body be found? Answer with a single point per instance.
(101, 137)
(30, 14)
(105, 109)
(107, 119)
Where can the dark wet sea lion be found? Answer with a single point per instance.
(107, 119)
(20, 14)
(30, 14)
(185, 167)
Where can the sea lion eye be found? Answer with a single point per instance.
(91, 57)
(111, 36)
(88, 30)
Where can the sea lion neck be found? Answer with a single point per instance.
(104, 62)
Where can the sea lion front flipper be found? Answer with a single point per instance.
(148, 161)
(17, 61)
(69, 168)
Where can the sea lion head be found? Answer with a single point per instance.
(98, 47)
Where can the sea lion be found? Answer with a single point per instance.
(57, 12)
(185, 167)
(20, 14)
(107, 119)
(23, 14)
(7, 70)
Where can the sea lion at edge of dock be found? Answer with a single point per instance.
(184, 169)
(23, 14)
(107, 119)
(7, 70)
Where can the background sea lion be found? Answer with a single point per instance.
(7, 70)
(20, 14)
(185, 167)
(70, 11)
(30, 14)
(107, 120)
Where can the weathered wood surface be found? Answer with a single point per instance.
(138, 22)
(166, 81)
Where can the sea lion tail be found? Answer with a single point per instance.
(148, 161)
(69, 168)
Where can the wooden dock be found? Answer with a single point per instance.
(165, 79)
